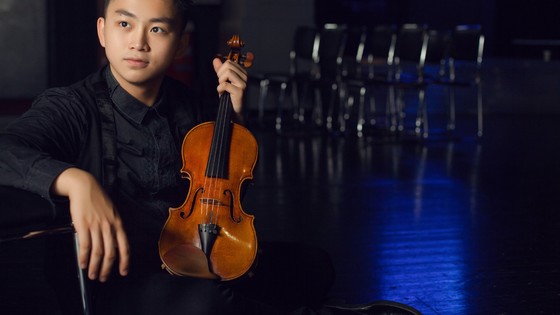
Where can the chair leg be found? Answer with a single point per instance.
(297, 114)
(263, 92)
(342, 116)
(281, 98)
(399, 109)
(479, 109)
(301, 105)
(331, 110)
(82, 278)
(361, 111)
(349, 106)
(372, 108)
(422, 102)
(451, 119)
(421, 126)
(391, 109)
(317, 114)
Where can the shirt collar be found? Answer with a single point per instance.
(127, 104)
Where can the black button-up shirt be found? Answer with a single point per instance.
(147, 156)
(63, 129)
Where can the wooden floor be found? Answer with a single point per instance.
(449, 226)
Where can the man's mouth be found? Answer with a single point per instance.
(136, 62)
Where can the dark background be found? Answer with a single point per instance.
(455, 227)
(503, 22)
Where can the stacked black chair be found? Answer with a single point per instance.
(465, 64)
(303, 60)
(374, 69)
(349, 69)
(458, 56)
(327, 85)
(410, 58)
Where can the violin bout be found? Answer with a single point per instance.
(210, 236)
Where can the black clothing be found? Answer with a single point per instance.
(147, 155)
(63, 129)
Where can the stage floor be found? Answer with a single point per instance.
(448, 225)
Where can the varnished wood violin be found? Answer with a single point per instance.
(209, 235)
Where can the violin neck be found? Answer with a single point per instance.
(217, 166)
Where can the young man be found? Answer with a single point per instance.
(110, 144)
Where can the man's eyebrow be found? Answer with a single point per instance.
(125, 13)
(163, 19)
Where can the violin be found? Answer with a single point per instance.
(209, 235)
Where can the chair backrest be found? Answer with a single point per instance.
(467, 43)
(467, 47)
(353, 50)
(378, 51)
(305, 42)
(437, 51)
(305, 49)
(412, 45)
(380, 43)
(332, 40)
(438, 46)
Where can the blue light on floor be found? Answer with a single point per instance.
(422, 246)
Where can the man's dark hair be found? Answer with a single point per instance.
(182, 6)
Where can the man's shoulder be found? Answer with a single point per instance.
(77, 98)
(88, 85)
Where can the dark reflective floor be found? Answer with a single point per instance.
(460, 226)
(451, 227)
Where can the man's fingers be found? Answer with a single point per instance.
(96, 253)
(96, 221)
(109, 253)
(124, 253)
(230, 88)
(229, 71)
(217, 63)
(84, 245)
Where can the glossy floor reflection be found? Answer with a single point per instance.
(449, 227)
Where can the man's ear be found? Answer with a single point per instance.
(183, 45)
(101, 31)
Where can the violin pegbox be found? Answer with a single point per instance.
(235, 44)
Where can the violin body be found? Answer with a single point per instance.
(235, 245)
(209, 235)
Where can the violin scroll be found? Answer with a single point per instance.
(235, 44)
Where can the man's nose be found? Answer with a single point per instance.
(139, 41)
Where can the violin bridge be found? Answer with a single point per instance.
(213, 202)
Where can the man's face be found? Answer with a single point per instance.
(141, 39)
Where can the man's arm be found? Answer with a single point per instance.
(99, 227)
(38, 154)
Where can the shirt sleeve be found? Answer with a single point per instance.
(43, 142)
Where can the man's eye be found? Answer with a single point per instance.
(123, 24)
(158, 29)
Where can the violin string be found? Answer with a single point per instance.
(218, 159)
(212, 170)
(223, 151)
(215, 165)
(206, 189)
(208, 180)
